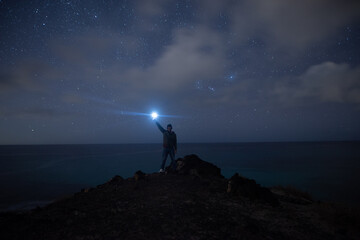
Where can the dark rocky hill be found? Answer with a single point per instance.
(195, 202)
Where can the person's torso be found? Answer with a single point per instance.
(169, 139)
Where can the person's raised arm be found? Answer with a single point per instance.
(160, 127)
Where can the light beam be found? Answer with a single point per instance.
(112, 109)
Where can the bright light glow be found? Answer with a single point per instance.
(154, 115)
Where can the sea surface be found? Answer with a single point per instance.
(34, 175)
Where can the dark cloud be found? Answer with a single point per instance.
(29, 75)
(293, 25)
(326, 82)
(30, 113)
(6, 81)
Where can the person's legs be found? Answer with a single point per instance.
(164, 157)
(172, 156)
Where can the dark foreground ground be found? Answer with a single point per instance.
(196, 202)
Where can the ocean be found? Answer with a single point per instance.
(34, 175)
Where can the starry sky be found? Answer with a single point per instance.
(73, 72)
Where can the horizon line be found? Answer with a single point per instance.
(225, 142)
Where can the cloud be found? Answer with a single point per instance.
(25, 112)
(326, 82)
(7, 81)
(233, 95)
(150, 8)
(149, 13)
(282, 23)
(27, 77)
(83, 49)
(193, 55)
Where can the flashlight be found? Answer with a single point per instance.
(154, 115)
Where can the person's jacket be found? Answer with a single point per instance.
(169, 138)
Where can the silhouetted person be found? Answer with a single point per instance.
(169, 146)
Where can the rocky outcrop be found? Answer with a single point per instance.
(193, 165)
(115, 180)
(194, 203)
(139, 175)
(243, 187)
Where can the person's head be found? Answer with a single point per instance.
(169, 127)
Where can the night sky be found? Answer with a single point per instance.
(228, 71)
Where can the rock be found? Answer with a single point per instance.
(193, 165)
(113, 181)
(244, 187)
(116, 179)
(86, 190)
(293, 195)
(139, 175)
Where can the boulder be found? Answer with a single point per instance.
(239, 186)
(116, 179)
(139, 175)
(193, 165)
